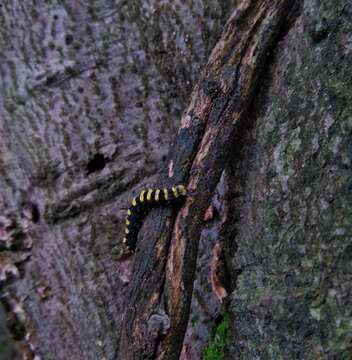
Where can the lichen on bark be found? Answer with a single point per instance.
(293, 297)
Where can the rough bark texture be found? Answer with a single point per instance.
(90, 100)
(217, 113)
(291, 198)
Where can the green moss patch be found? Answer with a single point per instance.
(219, 339)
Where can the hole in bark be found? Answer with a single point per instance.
(97, 163)
(68, 39)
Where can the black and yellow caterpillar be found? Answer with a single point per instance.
(141, 204)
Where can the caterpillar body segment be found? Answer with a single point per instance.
(141, 204)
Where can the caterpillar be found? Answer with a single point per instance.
(141, 204)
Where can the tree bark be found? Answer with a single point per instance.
(91, 94)
(162, 289)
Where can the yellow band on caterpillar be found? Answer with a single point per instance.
(129, 213)
(134, 202)
(149, 194)
(174, 190)
(141, 196)
(166, 194)
(157, 193)
(127, 231)
(128, 222)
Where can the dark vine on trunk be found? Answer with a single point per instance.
(160, 292)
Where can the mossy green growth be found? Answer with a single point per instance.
(219, 339)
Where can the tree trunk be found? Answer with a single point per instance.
(91, 97)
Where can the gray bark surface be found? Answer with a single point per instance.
(290, 191)
(91, 99)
